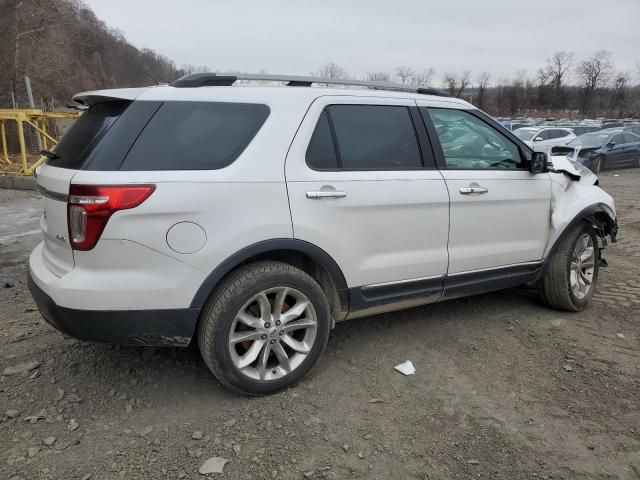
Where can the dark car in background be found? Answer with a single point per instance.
(611, 148)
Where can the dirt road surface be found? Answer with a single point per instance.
(504, 389)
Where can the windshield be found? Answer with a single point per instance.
(525, 133)
(591, 139)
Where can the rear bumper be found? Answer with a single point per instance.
(173, 327)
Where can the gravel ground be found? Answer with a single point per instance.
(504, 389)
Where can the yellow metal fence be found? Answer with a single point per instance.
(28, 118)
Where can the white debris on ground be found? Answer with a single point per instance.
(213, 465)
(406, 368)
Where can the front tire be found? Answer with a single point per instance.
(570, 277)
(596, 165)
(264, 328)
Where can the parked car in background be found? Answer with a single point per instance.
(582, 129)
(542, 139)
(635, 128)
(611, 148)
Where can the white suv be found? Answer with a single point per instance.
(543, 139)
(252, 217)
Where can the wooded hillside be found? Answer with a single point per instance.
(64, 49)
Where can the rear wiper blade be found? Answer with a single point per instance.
(49, 154)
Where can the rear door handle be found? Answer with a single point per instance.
(326, 194)
(469, 190)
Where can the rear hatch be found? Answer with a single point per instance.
(74, 152)
(53, 184)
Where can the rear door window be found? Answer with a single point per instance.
(195, 136)
(553, 134)
(78, 143)
(365, 137)
(321, 153)
(543, 135)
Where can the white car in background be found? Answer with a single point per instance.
(542, 139)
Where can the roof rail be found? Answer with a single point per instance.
(226, 79)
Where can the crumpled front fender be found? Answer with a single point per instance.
(575, 201)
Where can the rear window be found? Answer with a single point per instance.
(195, 136)
(86, 132)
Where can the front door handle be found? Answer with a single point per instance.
(326, 194)
(469, 190)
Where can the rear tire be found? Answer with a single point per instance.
(571, 273)
(246, 317)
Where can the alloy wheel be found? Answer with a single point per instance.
(582, 267)
(273, 333)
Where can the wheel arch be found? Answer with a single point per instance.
(598, 215)
(299, 253)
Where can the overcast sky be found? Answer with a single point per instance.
(297, 36)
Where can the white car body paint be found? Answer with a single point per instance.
(570, 196)
(392, 226)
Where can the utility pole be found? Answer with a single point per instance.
(27, 84)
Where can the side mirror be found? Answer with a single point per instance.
(537, 139)
(611, 144)
(538, 162)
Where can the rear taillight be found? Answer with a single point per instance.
(90, 207)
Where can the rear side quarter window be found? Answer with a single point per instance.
(195, 136)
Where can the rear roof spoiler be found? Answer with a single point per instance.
(99, 96)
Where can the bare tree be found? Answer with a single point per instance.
(515, 92)
(559, 68)
(593, 72)
(544, 88)
(619, 90)
(405, 74)
(455, 85)
(450, 83)
(424, 77)
(483, 82)
(331, 70)
(188, 68)
(379, 76)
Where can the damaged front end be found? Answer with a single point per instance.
(576, 197)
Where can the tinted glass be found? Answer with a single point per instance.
(557, 134)
(594, 139)
(617, 139)
(524, 133)
(375, 137)
(631, 138)
(86, 132)
(469, 143)
(543, 135)
(109, 153)
(321, 153)
(195, 136)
